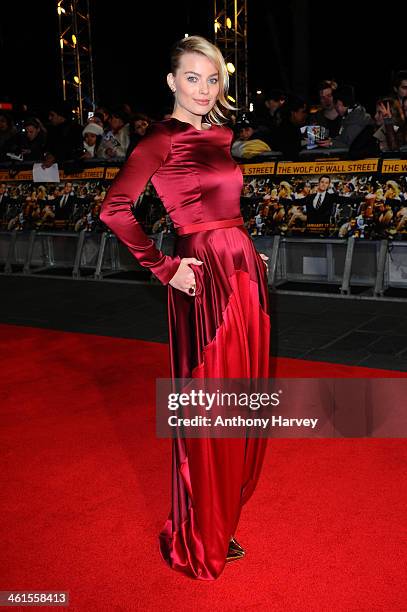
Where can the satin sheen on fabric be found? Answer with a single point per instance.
(222, 331)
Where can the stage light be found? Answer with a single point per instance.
(61, 43)
(251, 107)
(259, 91)
(216, 25)
(231, 99)
(231, 68)
(76, 79)
(228, 22)
(74, 40)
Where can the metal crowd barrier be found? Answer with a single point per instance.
(344, 266)
(349, 267)
(71, 254)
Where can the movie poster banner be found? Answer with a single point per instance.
(337, 199)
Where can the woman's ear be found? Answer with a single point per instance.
(170, 81)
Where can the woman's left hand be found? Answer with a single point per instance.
(265, 258)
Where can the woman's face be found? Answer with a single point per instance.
(196, 84)
(90, 139)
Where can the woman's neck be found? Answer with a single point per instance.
(195, 121)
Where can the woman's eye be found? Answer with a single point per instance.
(191, 78)
(213, 81)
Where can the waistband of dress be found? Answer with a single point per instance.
(192, 228)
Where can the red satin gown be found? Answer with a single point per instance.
(221, 332)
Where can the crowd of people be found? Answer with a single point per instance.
(108, 135)
(281, 123)
(338, 123)
(365, 206)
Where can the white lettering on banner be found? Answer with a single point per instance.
(241, 421)
(283, 422)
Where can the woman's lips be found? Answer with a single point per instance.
(202, 102)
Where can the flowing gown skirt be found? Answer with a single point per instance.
(221, 332)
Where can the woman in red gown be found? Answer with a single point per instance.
(218, 308)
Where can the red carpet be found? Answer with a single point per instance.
(86, 488)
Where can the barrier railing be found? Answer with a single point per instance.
(349, 267)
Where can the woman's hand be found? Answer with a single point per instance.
(265, 258)
(184, 277)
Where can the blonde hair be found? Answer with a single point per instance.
(284, 185)
(393, 185)
(199, 44)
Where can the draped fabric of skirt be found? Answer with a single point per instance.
(221, 332)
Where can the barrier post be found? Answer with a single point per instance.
(30, 250)
(379, 285)
(78, 254)
(347, 270)
(8, 268)
(273, 260)
(99, 262)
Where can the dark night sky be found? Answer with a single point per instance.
(131, 44)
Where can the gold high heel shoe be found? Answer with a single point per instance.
(235, 551)
(235, 544)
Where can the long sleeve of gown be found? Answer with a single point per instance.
(124, 191)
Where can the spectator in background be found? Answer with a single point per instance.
(92, 135)
(104, 113)
(7, 132)
(30, 144)
(327, 115)
(138, 127)
(64, 140)
(116, 141)
(274, 101)
(98, 119)
(402, 133)
(357, 126)
(400, 92)
(288, 136)
(385, 118)
(396, 135)
(252, 139)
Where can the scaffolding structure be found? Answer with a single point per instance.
(230, 27)
(76, 56)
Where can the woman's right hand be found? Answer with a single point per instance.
(184, 278)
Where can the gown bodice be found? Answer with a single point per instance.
(199, 181)
(194, 175)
